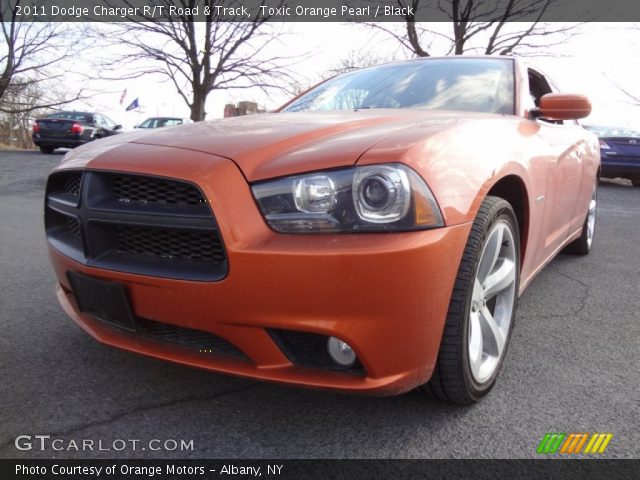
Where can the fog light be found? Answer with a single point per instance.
(340, 352)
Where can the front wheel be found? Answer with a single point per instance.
(482, 307)
(582, 245)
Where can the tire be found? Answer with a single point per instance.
(46, 149)
(635, 183)
(583, 244)
(457, 377)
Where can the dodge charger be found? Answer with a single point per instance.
(372, 235)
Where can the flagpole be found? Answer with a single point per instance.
(124, 114)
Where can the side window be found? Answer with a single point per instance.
(539, 86)
(100, 121)
(109, 124)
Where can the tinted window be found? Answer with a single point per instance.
(108, 123)
(476, 85)
(100, 121)
(77, 116)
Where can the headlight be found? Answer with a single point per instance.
(389, 197)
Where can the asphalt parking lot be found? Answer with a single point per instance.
(572, 366)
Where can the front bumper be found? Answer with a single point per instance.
(387, 295)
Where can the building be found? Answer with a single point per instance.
(243, 108)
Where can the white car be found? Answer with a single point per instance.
(158, 122)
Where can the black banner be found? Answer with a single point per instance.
(317, 469)
(314, 10)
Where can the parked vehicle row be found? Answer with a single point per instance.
(72, 129)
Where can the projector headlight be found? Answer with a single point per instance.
(375, 198)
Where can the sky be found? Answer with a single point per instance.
(593, 62)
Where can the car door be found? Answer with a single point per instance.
(110, 125)
(101, 129)
(106, 126)
(565, 151)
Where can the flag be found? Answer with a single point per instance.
(124, 94)
(133, 105)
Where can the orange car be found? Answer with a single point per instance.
(373, 235)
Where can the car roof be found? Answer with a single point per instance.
(447, 57)
(72, 111)
(165, 118)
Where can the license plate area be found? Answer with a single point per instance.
(104, 300)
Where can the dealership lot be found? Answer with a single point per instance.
(572, 366)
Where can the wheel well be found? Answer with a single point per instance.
(511, 188)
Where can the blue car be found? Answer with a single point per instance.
(620, 153)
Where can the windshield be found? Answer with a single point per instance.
(475, 85)
(613, 132)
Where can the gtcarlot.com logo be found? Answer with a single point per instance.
(48, 443)
(574, 443)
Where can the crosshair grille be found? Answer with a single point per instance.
(72, 184)
(168, 243)
(73, 226)
(135, 189)
(134, 223)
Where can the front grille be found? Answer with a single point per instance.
(134, 223)
(136, 189)
(168, 243)
(73, 226)
(72, 184)
(65, 187)
(63, 230)
(204, 342)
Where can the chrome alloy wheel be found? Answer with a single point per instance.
(591, 218)
(492, 302)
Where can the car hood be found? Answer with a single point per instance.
(278, 144)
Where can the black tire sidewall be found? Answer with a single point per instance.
(476, 390)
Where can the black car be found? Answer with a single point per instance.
(71, 129)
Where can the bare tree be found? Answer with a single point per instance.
(633, 97)
(357, 59)
(15, 124)
(488, 27)
(33, 53)
(200, 57)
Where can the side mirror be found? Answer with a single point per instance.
(117, 127)
(563, 106)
